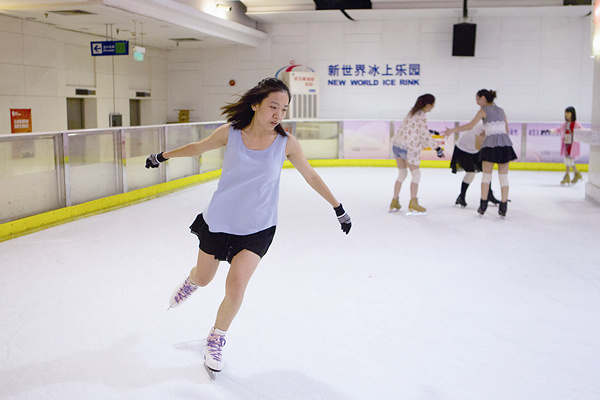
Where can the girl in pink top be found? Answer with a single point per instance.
(568, 147)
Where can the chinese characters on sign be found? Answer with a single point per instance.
(373, 75)
(307, 81)
(20, 120)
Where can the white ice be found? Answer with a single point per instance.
(448, 305)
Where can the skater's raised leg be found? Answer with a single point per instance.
(201, 275)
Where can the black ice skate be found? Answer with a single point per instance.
(482, 206)
(503, 208)
(491, 198)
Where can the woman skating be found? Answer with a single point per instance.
(238, 225)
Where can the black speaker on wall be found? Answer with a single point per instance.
(463, 40)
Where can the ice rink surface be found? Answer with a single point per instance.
(448, 306)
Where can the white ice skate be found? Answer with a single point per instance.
(213, 352)
(182, 293)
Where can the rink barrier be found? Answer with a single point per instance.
(517, 166)
(24, 226)
(34, 223)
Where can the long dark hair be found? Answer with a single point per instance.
(573, 115)
(421, 102)
(489, 95)
(240, 113)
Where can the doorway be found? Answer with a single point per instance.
(135, 113)
(75, 114)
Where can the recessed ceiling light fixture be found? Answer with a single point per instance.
(223, 7)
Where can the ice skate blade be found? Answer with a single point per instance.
(211, 373)
(394, 210)
(416, 213)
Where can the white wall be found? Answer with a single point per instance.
(538, 65)
(40, 66)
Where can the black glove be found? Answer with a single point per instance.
(440, 152)
(154, 160)
(343, 218)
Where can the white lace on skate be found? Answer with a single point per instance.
(214, 348)
(182, 293)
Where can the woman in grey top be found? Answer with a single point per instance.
(496, 149)
(238, 224)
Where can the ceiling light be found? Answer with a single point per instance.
(223, 7)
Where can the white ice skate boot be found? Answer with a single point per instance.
(213, 352)
(182, 293)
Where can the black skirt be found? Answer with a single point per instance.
(497, 149)
(225, 246)
(461, 160)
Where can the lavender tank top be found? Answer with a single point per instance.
(247, 195)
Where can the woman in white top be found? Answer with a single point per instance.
(239, 223)
(466, 157)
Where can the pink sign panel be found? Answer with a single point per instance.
(366, 139)
(515, 132)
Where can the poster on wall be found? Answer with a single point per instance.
(366, 139)
(436, 128)
(543, 145)
(20, 122)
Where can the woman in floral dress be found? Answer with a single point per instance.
(413, 136)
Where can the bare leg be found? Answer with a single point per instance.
(242, 267)
(503, 170)
(204, 271)
(398, 185)
(414, 186)
(488, 168)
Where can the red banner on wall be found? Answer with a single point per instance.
(20, 120)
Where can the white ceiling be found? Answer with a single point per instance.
(156, 23)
